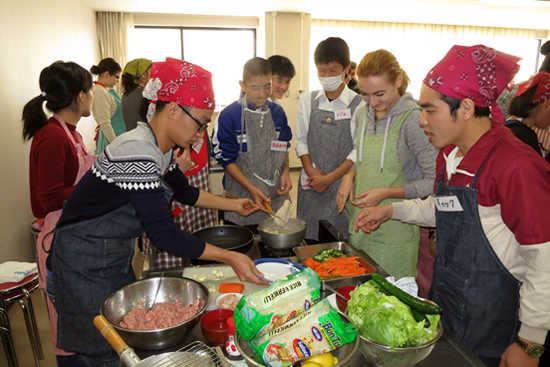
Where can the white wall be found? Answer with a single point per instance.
(35, 33)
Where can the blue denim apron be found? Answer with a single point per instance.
(479, 296)
(90, 260)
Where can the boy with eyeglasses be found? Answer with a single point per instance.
(126, 192)
(251, 140)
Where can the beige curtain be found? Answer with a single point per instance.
(114, 34)
(418, 47)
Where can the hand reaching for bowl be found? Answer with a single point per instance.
(244, 268)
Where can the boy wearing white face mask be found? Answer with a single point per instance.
(325, 137)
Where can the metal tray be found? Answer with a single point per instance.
(304, 252)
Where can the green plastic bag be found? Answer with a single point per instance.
(316, 331)
(283, 300)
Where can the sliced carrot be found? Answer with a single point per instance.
(231, 288)
(337, 267)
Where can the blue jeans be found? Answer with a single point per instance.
(75, 360)
(91, 362)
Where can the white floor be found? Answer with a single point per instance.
(19, 331)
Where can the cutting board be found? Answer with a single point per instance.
(211, 279)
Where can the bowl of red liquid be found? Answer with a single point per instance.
(344, 291)
(214, 325)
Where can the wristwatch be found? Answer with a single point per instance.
(533, 350)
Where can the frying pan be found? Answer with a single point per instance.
(227, 237)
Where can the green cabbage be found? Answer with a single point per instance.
(386, 320)
(327, 254)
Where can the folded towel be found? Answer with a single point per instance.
(16, 271)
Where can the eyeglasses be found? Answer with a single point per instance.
(202, 127)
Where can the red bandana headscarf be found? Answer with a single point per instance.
(187, 85)
(479, 73)
(542, 83)
(181, 82)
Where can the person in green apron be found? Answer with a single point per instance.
(106, 107)
(325, 136)
(395, 160)
(250, 140)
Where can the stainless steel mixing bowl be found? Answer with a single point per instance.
(122, 301)
(289, 236)
(344, 354)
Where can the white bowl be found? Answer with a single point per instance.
(224, 295)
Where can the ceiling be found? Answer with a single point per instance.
(320, 9)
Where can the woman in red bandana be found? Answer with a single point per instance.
(492, 268)
(126, 192)
(531, 107)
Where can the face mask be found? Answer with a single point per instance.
(331, 83)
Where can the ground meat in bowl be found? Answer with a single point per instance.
(161, 315)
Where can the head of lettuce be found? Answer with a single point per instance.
(386, 320)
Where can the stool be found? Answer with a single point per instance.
(7, 340)
(21, 291)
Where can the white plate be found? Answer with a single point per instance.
(276, 268)
(226, 294)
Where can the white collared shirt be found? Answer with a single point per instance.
(304, 113)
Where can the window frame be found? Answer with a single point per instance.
(196, 28)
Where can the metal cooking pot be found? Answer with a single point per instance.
(283, 238)
(227, 237)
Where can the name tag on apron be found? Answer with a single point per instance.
(447, 203)
(279, 146)
(198, 145)
(342, 114)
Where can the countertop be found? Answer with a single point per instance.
(448, 351)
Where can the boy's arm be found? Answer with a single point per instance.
(286, 183)
(225, 146)
(302, 125)
(235, 172)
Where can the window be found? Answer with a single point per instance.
(222, 51)
(418, 47)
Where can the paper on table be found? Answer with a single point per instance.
(408, 284)
(283, 215)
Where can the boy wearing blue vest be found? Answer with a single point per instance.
(251, 140)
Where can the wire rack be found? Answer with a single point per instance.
(192, 355)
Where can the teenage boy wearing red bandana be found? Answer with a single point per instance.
(492, 268)
(194, 162)
(126, 192)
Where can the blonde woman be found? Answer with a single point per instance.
(395, 161)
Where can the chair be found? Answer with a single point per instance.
(20, 291)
